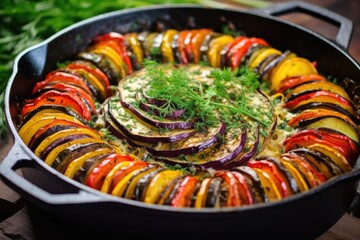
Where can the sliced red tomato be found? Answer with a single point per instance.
(62, 77)
(184, 192)
(64, 87)
(313, 175)
(54, 97)
(184, 43)
(244, 190)
(120, 41)
(233, 198)
(340, 142)
(95, 71)
(97, 175)
(238, 51)
(275, 174)
(196, 42)
(292, 82)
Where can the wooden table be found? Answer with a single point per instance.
(18, 220)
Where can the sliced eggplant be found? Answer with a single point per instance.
(44, 153)
(191, 145)
(253, 179)
(128, 91)
(36, 140)
(142, 184)
(213, 198)
(67, 155)
(100, 61)
(77, 168)
(215, 156)
(320, 160)
(137, 130)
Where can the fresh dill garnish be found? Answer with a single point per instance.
(225, 99)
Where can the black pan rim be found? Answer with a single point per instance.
(109, 198)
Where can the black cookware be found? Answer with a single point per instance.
(303, 216)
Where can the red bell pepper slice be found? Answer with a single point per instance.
(56, 122)
(120, 41)
(314, 176)
(238, 51)
(225, 54)
(97, 175)
(94, 71)
(184, 192)
(292, 82)
(318, 113)
(340, 142)
(184, 40)
(274, 172)
(244, 190)
(54, 97)
(63, 87)
(120, 174)
(334, 96)
(62, 77)
(233, 198)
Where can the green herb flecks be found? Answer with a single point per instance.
(26, 23)
(226, 99)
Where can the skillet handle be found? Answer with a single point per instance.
(57, 193)
(344, 24)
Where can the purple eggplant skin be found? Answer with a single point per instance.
(60, 141)
(264, 69)
(81, 174)
(149, 138)
(320, 157)
(266, 62)
(256, 188)
(156, 123)
(280, 166)
(153, 110)
(34, 142)
(128, 94)
(330, 106)
(143, 183)
(213, 139)
(214, 191)
(74, 151)
(115, 130)
(212, 162)
(247, 156)
(168, 152)
(150, 100)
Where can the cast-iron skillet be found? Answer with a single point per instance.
(303, 216)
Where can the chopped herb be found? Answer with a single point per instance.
(204, 104)
(26, 23)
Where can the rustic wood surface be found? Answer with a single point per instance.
(19, 220)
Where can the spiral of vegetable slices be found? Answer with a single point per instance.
(123, 142)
